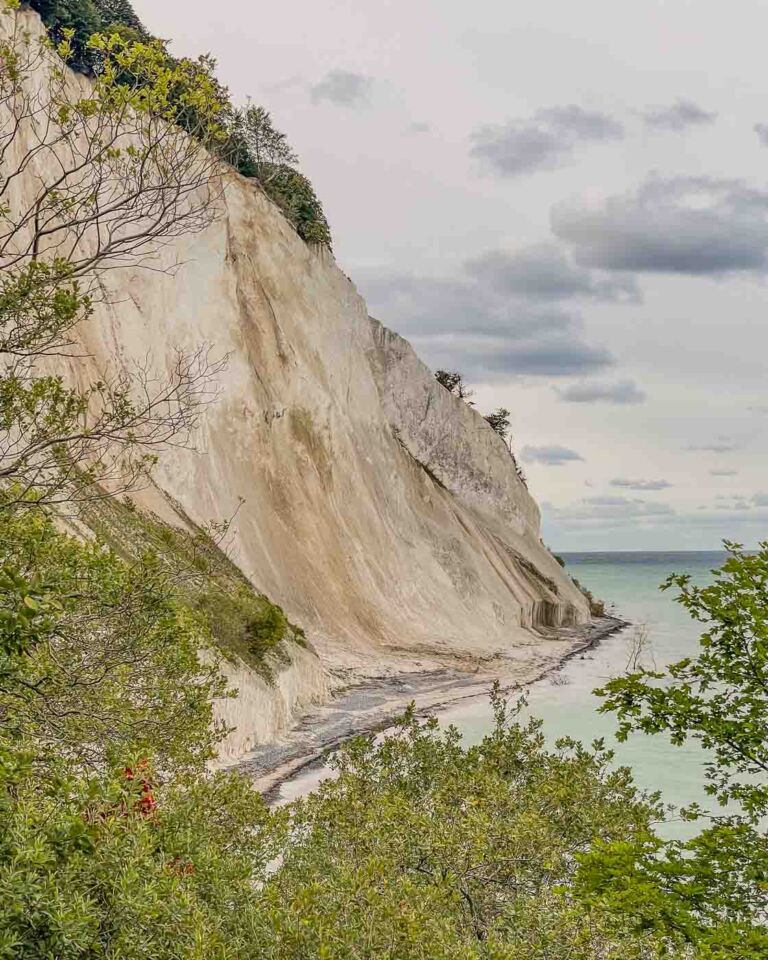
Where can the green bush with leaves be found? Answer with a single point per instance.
(99, 654)
(422, 848)
(251, 143)
(111, 864)
(713, 889)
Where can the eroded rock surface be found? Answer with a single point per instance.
(380, 512)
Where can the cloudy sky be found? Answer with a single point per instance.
(566, 202)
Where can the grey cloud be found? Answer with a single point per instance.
(542, 142)
(559, 358)
(491, 359)
(552, 456)
(580, 123)
(610, 511)
(687, 225)
(760, 499)
(761, 129)
(723, 473)
(679, 116)
(758, 408)
(717, 446)
(621, 392)
(641, 484)
(343, 88)
(418, 127)
(735, 501)
(465, 324)
(544, 272)
(436, 305)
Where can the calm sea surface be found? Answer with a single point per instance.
(629, 583)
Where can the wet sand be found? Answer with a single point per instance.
(373, 705)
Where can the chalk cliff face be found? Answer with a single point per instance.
(382, 513)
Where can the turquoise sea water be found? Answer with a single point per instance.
(629, 583)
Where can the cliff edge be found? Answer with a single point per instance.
(383, 514)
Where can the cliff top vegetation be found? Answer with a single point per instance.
(249, 140)
(116, 840)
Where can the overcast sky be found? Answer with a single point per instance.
(568, 202)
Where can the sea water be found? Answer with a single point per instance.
(629, 584)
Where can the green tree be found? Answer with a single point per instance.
(261, 150)
(499, 422)
(714, 888)
(118, 179)
(248, 140)
(116, 13)
(296, 197)
(453, 382)
(422, 848)
(258, 150)
(82, 17)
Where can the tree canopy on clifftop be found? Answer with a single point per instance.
(250, 141)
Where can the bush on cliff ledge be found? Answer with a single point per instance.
(250, 143)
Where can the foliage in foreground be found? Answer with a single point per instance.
(422, 848)
(98, 658)
(714, 888)
(114, 841)
(98, 866)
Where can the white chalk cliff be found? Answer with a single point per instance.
(382, 513)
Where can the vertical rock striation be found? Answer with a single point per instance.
(380, 512)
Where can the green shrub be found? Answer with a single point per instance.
(97, 654)
(295, 196)
(242, 622)
(85, 18)
(423, 849)
(116, 865)
(251, 144)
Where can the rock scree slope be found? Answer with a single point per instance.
(381, 512)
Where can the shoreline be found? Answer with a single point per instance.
(373, 706)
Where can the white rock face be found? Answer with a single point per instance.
(383, 514)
